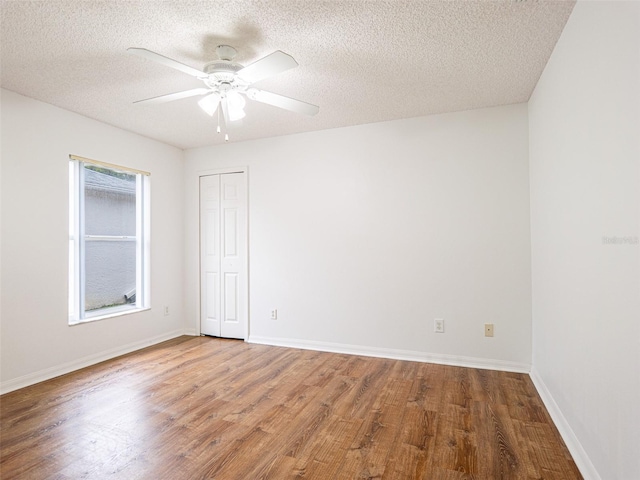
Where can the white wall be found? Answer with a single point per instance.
(361, 236)
(584, 154)
(37, 341)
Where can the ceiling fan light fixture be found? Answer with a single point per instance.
(210, 103)
(235, 103)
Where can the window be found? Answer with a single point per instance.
(108, 240)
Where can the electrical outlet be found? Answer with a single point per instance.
(438, 325)
(166, 310)
(274, 314)
(488, 329)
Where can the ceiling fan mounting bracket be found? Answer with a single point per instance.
(226, 52)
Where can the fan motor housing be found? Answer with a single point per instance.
(221, 71)
(220, 66)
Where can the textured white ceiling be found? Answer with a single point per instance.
(360, 61)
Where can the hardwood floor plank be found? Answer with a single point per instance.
(323, 457)
(504, 462)
(196, 408)
(280, 466)
(419, 427)
(314, 415)
(450, 422)
(372, 447)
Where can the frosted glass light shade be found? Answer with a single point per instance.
(235, 104)
(210, 103)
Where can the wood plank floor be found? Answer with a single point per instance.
(199, 407)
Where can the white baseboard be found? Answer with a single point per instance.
(56, 371)
(578, 453)
(454, 360)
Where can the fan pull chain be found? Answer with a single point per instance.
(218, 129)
(226, 135)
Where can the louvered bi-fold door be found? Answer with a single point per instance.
(223, 251)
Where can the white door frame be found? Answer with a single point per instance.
(218, 171)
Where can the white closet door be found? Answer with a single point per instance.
(223, 250)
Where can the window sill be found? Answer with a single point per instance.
(108, 313)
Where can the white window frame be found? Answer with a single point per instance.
(78, 239)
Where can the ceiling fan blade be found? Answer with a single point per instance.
(272, 64)
(166, 61)
(281, 101)
(174, 96)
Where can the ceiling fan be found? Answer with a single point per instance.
(227, 83)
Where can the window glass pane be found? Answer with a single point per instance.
(72, 272)
(109, 202)
(72, 199)
(110, 273)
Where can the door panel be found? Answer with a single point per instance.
(231, 299)
(211, 221)
(211, 287)
(230, 232)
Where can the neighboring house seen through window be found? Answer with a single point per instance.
(108, 240)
